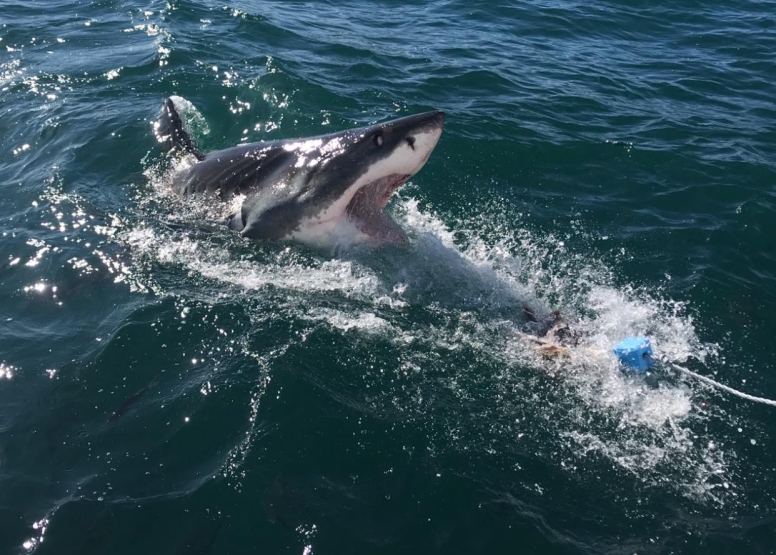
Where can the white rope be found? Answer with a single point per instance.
(724, 387)
(543, 343)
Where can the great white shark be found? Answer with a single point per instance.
(318, 190)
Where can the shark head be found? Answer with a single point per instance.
(320, 190)
(334, 188)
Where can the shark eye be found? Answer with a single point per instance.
(379, 139)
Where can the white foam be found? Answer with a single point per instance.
(216, 263)
(651, 431)
(366, 322)
(469, 280)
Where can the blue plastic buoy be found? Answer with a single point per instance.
(635, 353)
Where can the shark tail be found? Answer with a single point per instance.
(172, 133)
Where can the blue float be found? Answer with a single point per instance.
(635, 353)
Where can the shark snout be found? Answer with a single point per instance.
(438, 117)
(428, 124)
(422, 135)
(425, 122)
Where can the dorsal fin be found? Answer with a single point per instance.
(172, 133)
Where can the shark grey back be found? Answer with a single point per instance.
(317, 190)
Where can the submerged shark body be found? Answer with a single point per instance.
(314, 190)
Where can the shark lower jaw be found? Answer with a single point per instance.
(366, 210)
(362, 220)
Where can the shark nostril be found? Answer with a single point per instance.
(411, 142)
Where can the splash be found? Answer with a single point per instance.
(450, 306)
(650, 431)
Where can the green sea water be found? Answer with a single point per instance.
(168, 387)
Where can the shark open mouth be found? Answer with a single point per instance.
(365, 210)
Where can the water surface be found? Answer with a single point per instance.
(167, 387)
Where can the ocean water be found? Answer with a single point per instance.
(167, 387)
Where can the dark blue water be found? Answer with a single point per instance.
(167, 387)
